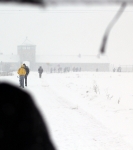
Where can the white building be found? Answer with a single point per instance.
(26, 52)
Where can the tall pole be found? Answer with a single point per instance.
(1, 66)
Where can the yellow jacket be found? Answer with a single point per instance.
(22, 71)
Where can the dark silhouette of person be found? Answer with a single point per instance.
(21, 124)
(27, 72)
(40, 71)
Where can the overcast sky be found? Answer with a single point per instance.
(67, 30)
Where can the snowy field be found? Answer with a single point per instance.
(86, 110)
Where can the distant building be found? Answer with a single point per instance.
(26, 52)
(83, 63)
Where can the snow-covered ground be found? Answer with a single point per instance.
(85, 110)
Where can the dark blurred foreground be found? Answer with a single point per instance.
(51, 2)
(21, 124)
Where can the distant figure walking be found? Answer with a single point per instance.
(27, 72)
(22, 73)
(119, 69)
(40, 71)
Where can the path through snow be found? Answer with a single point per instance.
(71, 126)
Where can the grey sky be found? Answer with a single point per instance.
(67, 30)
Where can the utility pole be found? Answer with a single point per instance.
(1, 66)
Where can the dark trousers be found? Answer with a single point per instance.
(25, 78)
(21, 80)
(40, 75)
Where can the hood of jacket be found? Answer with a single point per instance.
(22, 66)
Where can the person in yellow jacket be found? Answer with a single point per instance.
(22, 73)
